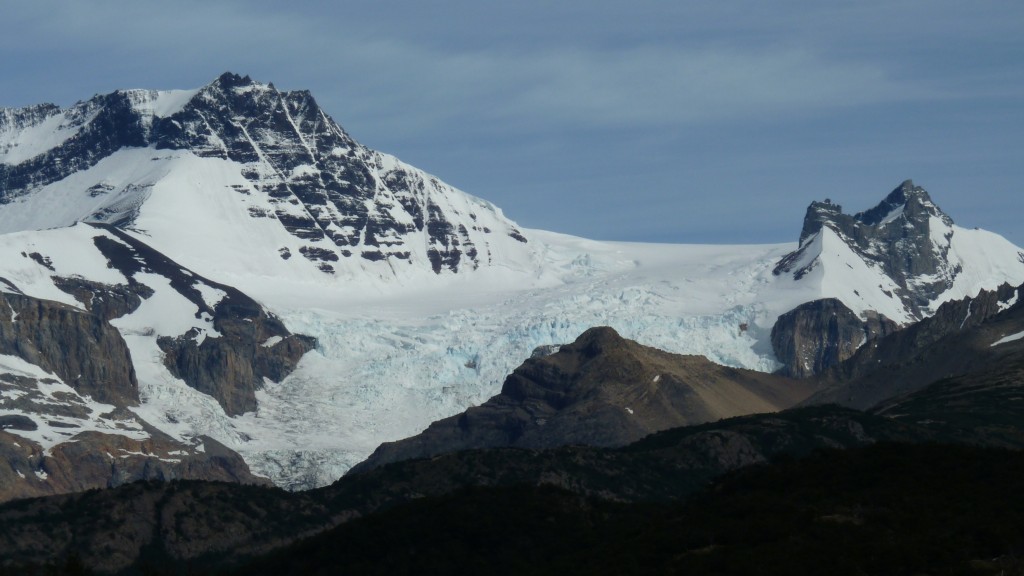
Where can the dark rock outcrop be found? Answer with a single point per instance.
(232, 366)
(247, 343)
(815, 336)
(104, 300)
(601, 390)
(81, 348)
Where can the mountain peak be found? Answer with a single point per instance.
(904, 247)
(232, 80)
(907, 199)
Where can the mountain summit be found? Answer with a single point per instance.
(903, 257)
(266, 169)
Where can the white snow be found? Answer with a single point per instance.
(892, 215)
(21, 143)
(160, 103)
(1007, 339)
(54, 429)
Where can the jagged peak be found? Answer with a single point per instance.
(907, 198)
(906, 195)
(232, 80)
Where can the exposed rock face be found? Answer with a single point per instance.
(83, 349)
(601, 390)
(347, 201)
(252, 346)
(246, 345)
(907, 236)
(957, 340)
(818, 335)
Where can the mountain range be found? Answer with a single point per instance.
(221, 284)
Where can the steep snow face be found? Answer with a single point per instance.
(271, 166)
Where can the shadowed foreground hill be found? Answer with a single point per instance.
(213, 525)
(883, 509)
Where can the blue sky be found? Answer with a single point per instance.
(648, 121)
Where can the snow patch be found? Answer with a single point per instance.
(1007, 339)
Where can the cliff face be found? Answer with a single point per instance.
(229, 362)
(83, 349)
(818, 335)
(252, 346)
(72, 432)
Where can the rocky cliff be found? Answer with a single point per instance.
(816, 336)
(81, 348)
(905, 239)
(243, 345)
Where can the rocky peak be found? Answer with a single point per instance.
(906, 237)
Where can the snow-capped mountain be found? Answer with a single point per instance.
(421, 298)
(262, 180)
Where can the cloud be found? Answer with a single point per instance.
(405, 81)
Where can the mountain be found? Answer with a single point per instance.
(601, 390)
(420, 299)
(258, 176)
(903, 258)
(879, 269)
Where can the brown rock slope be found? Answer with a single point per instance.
(601, 390)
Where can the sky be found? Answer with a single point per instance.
(654, 121)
